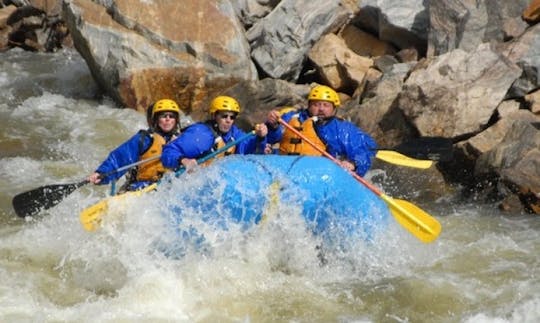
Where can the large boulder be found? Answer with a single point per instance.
(516, 161)
(458, 92)
(281, 40)
(142, 51)
(525, 52)
(465, 24)
(404, 24)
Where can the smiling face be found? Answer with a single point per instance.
(321, 109)
(224, 120)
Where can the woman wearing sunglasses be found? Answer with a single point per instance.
(202, 138)
(162, 120)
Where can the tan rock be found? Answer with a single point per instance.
(5, 30)
(51, 7)
(507, 108)
(492, 136)
(534, 100)
(141, 51)
(532, 13)
(337, 65)
(408, 55)
(365, 44)
(458, 92)
(5, 13)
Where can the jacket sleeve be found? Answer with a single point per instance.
(252, 145)
(344, 139)
(125, 154)
(359, 147)
(194, 142)
(275, 135)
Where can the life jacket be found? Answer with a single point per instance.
(291, 144)
(152, 170)
(219, 143)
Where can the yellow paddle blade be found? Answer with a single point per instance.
(92, 216)
(393, 157)
(422, 225)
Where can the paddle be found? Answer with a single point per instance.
(91, 217)
(418, 153)
(426, 148)
(422, 225)
(393, 157)
(44, 197)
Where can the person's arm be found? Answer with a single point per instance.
(350, 145)
(194, 142)
(276, 130)
(360, 148)
(253, 145)
(125, 154)
(261, 145)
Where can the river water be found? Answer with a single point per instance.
(56, 128)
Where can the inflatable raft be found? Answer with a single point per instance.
(244, 191)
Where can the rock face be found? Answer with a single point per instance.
(33, 25)
(459, 91)
(140, 51)
(461, 69)
(466, 24)
(280, 41)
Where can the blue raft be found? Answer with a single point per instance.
(246, 190)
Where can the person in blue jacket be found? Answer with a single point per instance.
(163, 121)
(202, 138)
(343, 140)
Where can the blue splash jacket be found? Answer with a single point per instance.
(343, 139)
(127, 153)
(198, 140)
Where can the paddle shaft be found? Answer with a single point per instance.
(123, 168)
(218, 151)
(82, 183)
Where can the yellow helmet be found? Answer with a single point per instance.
(165, 105)
(324, 93)
(224, 103)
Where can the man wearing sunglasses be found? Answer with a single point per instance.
(318, 122)
(202, 138)
(162, 118)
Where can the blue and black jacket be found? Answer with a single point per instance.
(128, 153)
(199, 139)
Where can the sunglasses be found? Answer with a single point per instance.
(227, 116)
(169, 115)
